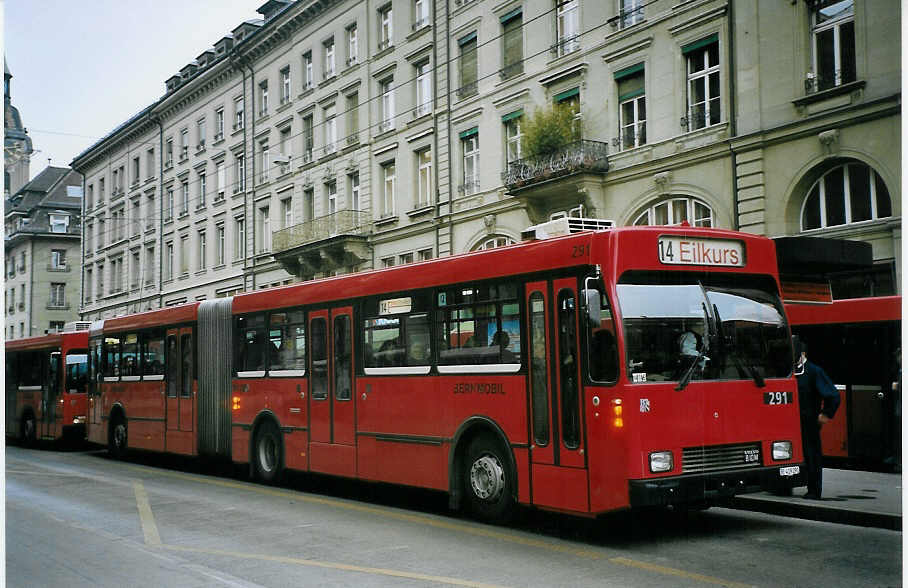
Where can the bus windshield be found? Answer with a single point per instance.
(698, 326)
(76, 371)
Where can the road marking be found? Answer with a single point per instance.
(457, 527)
(624, 561)
(333, 566)
(149, 528)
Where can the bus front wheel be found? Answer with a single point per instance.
(267, 453)
(487, 480)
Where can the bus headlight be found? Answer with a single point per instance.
(79, 420)
(781, 450)
(661, 461)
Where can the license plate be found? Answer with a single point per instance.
(778, 397)
(790, 471)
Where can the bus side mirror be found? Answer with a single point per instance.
(592, 306)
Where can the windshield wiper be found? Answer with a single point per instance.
(729, 349)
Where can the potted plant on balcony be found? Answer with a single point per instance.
(547, 132)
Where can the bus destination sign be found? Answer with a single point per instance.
(678, 250)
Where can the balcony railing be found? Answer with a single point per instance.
(342, 222)
(576, 157)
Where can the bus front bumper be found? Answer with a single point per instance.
(707, 487)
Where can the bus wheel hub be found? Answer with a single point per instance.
(487, 478)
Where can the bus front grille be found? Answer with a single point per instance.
(720, 457)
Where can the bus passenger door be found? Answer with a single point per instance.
(558, 441)
(331, 402)
(53, 410)
(179, 389)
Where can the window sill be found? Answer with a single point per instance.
(306, 91)
(829, 93)
(382, 52)
(420, 210)
(284, 106)
(424, 28)
(385, 221)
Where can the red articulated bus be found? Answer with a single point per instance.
(857, 341)
(548, 373)
(46, 382)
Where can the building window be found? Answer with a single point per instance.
(89, 284)
(218, 124)
(308, 139)
(263, 98)
(220, 177)
(149, 164)
(631, 107)
(136, 171)
(150, 213)
(423, 89)
(239, 243)
(100, 271)
(353, 180)
(703, 91)
(168, 261)
(58, 259)
(676, 210)
(308, 204)
(264, 229)
(832, 27)
(57, 294)
(387, 262)
(846, 194)
(116, 274)
(240, 184)
(59, 223)
(352, 45)
(493, 241)
(331, 206)
(287, 213)
(285, 85)
(136, 220)
(184, 255)
(469, 141)
(405, 258)
(420, 14)
(149, 265)
(201, 133)
(330, 129)
(512, 44)
(424, 177)
(220, 244)
(513, 135)
(264, 160)
(116, 221)
(353, 118)
(203, 187)
(102, 232)
(329, 58)
(135, 270)
(567, 26)
(87, 237)
(56, 326)
(184, 145)
(385, 27)
(184, 197)
(631, 12)
(101, 180)
(424, 254)
(386, 91)
(467, 65)
(239, 114)
(307, 71)
(389, 180)
(203, 250)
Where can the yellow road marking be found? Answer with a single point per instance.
(461, 528)
(149, 529)
(334, 566)
(624, 561)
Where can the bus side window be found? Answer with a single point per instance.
(603, 358)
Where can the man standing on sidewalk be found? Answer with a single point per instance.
(818, 399)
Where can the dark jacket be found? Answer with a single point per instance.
(817, 392)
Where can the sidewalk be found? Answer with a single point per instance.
(866, 499)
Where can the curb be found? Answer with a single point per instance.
(826, 514)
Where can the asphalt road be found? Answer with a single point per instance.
(81, 519)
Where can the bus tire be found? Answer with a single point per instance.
(118, 437)
(28, 430)
(267, 453)
(488, 482)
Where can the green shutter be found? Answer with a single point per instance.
(466, 39)
(713, 38)
(628, 71)
(469, 133)
(512, 14)
(512, 115)
(567, 94)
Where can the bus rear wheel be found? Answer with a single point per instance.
(28, 430)
(488, 483)
(118, 437)
(267, 453)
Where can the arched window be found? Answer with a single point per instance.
(493, 241)
(675, 211)
(848, 193)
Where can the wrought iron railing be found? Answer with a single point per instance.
(576, 157)
(342, 222)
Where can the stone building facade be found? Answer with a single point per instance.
(335, 136)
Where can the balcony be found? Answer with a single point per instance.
(559, 180)
(323, 245)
